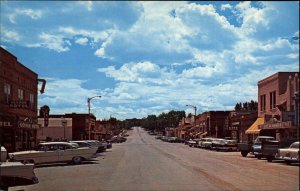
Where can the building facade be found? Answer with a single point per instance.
(237, 123)
(58, 128)
(278, 105)
(18, 104)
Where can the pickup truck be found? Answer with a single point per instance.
(255, 148)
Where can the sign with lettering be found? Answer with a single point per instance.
(279, 125)
(28, 125)
(19, 104)
(5, 124)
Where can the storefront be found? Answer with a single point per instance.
(17, 134)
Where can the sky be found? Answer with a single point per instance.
(146, 57)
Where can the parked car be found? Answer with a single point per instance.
(216, 142)
(91, 143)
(118, 139)
(289, 155)
(50, 152)
(172, 139)
(255, 148)
(109, 144)
(207, 143)
(227, 145)
(16, 174)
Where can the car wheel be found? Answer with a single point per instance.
(77, 160)
(259, 157)
(244, 153)
(269, 159)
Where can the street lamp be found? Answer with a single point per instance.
(194, 108)
(89, 109)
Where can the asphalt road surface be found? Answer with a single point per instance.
(145, 163)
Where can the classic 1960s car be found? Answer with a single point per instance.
(50, 152)
(15, 173)
(290, 154)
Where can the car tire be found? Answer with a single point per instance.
(77, 160)
(269, 159)
(244, 153)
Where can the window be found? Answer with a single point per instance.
(7, 92)
(272, 100)
(31, 100)
(21, 94)
(263, 102)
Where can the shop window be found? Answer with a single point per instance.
(21, 94)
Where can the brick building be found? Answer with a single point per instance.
(278, 106)
(59, 128)
(212, 123)
(77, 126)
(18, 104)
(238, 122)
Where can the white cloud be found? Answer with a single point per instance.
(225, 6)
(87, 4)
(33, 14)
(53, 42)
(10, 36)
(82, 41)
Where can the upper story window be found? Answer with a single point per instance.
(272, 99)
(7, 92)
(20, 94)
(263, 102)
(31, 100)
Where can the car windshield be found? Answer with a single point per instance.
(258, 140)
(295, 145)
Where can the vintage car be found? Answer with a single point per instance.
(290, 154)
(91, 143)
(255, 148)
(207, 143)
(216, 142)
(227, 145)
(15, 173)
(51, 152)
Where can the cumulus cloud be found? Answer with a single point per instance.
(225, 6)
(82, 41)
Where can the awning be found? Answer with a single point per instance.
(253, 129)
(198, 133)
(205, 133)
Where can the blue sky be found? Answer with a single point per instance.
(150, 57)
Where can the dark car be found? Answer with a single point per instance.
(257, 145)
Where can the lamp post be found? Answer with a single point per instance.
(89, 109)
(194, 108)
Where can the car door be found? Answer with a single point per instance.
(49, 155)
(65, 153)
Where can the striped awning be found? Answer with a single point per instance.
(253, 129)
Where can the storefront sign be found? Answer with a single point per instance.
(279, 125)
(233, 128)
(5, 124)
(18, 104)
(28, 125)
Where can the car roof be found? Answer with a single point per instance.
(265, 137)
(54, 143)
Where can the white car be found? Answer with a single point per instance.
(16, 174)
(290, 154)
(50, 152)
(93, 143)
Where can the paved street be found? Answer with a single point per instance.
(144, 163)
